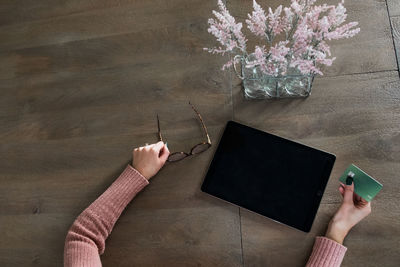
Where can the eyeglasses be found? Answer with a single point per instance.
(197, 149)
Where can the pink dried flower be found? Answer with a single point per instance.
(287, 19)
(227, 64)
(344, 31)
(302, 38)
(259, 59)
(307, 27)
(274, 20)
(257, 22)
(337, 15)
(279, 51)
(274, 62)
(305, 66)
(278, 56)
(298, 9)
(227, 32)
(324, 47)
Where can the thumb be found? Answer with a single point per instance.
(348, 193)
(158, 146)
(164, 154)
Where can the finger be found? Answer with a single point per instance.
(348, 193)
(355, 199)
(164, 154)
(342, 185)
(148, 146)
(158, 146)
(341, 190)
(363, 204)
(363, 201)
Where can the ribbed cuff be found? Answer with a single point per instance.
(135, 174)
(326, 253)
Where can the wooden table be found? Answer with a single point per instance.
(81, 83)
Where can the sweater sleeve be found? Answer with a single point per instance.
(85, 241)
(326, 253)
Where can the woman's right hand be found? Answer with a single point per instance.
(352, 211)
(149, 159)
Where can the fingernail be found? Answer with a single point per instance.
(349, 180)
(166, 144)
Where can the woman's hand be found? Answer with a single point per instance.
(352, 211)
(148, 160)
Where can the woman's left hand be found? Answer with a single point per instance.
(352, 211)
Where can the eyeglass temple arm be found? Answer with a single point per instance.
(202, 122)
(159, 131)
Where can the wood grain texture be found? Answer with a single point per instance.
(267, 243)
(80, 85)
(394, 7)
(18, 11)
(396, 35)
(72, 110)
(369, 51)
(121, 19)
(188, 237)
(357, 118)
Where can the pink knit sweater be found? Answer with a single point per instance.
(85, 241)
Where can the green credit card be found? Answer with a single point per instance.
(364, 185)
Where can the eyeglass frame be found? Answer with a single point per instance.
(208, 142)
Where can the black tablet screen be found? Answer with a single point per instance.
(270, 175)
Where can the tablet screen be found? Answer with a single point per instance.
(269, 175)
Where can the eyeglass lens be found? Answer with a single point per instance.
(177, 156)
(200, 148)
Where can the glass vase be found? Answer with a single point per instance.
(258, 85)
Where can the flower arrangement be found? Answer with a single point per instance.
(303, 28)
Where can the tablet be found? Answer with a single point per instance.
(267, 174)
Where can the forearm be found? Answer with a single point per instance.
(85, 240)
(113, 201)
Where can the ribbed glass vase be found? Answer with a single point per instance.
(258, 85)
